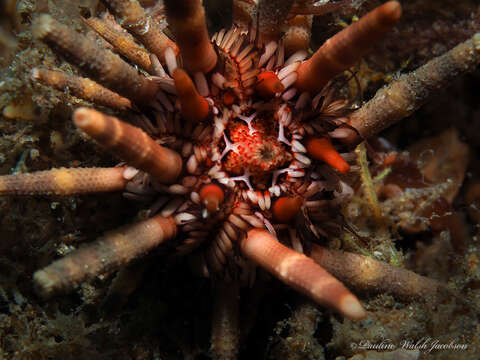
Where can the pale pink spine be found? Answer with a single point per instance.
(301, 273)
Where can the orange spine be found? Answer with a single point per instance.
(301, 273)
(347, 47)
(131, 144)
(212, 196)
(322, 149)
(195, 107)
(285, 208)
(268, 84)
(187, 20)
(114, 249)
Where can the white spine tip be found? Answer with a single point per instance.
(35, 74)
(351, 308)
(130, 173)
(44, 284)
(81, 117)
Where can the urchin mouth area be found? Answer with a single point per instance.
(273, 155)
(267, 153)
(255, 150)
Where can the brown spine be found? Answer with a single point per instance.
(271, 18)
(225, 337)
(114, 249)
(366, 274)
(243, 14)
(83, 88)
(64, 181)
(297, 37)
(305, 7)
(405, 95)
(146, 29)
(131, 144)
(187, 20)
(347, 47)
(106, 67)
(122, 42)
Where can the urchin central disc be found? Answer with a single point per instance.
(257, 152)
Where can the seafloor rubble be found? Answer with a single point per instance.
(432, 230)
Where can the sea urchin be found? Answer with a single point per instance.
(238, 138)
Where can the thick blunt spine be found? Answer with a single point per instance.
(212, 196)
(64, 181)
(268, 84)
(187, 20)
(195, 107)
(146, 29)
(301, 273)
(108, 68)
(83, 88)
(366, 274)
(114, 249)
(406, 94)
(297, 37)
(271, 18)
(122, 42)
(347, 47)
(131, 144)
(322, 149)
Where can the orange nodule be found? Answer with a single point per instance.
(322, 149)
(194, 106)
(268, 84)
(285, 208)
(212, 196)
(228, 98)
(389, 159)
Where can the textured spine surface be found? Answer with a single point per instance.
(83, 88)
(64, 181)
(405, 95)
(272, 15)
(114, 249)
(347, 47)
(130, 144)
(301, 273)
(297, 37)
(142, 26)
(108, 68)
(187, 20)
(123, 44)
(367, 274)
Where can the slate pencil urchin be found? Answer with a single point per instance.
(237, 136)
